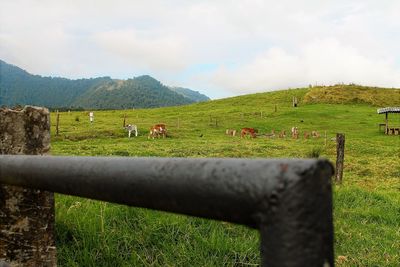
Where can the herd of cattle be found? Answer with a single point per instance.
(254, 133)
(157, 130)
(160, 130)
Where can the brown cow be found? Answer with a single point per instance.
(157, 131)
(282, 134)
(306, 135)
(248, 131)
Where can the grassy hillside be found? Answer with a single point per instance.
(366, 205)
(353, 94)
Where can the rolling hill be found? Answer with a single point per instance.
(353, 94)
(18, 87)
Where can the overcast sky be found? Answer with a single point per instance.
(220, 48)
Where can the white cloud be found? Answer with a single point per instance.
(258, 44)
(324, 61)
(159, 53)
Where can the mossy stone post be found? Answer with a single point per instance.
(26, 215)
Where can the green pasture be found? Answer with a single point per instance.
(366, 205)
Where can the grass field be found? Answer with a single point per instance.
(366, 205)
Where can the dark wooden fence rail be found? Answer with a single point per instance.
(288, 201)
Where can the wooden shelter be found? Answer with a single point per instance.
(390, 130)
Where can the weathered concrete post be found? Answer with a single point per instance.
(26, 215)
(339, 157)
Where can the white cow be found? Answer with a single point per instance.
(130, 128)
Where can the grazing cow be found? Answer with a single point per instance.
(306, 135)
(248, 131)
(315, 134)
(157, 131)
(282, 134)
(231, 132)
(295, 133)
(130, 128)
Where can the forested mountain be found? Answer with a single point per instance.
(18, 87)
(194, 95)
(140, 92)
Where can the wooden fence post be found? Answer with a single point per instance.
(57, 123)
(294, 102)
(26, 215)
(339, 157)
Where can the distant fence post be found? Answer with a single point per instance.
(339, 157)
(57, 123)
(26, 215)
(294, 102)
